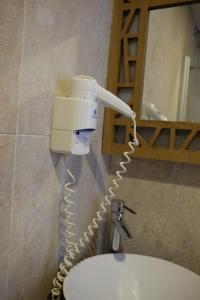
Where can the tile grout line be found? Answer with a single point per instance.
(15, 148)
(40, 135)
(24, 135)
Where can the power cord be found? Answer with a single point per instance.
(74, 248)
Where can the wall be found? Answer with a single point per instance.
(42, 44)
(194, 91)
(166, 197)
(196, 13)
(170, 39)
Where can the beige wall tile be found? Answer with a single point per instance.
(62, 38)
(166, 197)
(11, 27)
(35, 220)
(7, 144)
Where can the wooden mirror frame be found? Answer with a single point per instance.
(162, 140)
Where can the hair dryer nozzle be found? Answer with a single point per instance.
(110, 100)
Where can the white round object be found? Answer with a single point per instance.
(130, 277)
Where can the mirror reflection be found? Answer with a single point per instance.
(171, 89)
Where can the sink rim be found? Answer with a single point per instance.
(95, 257)
(119, 256)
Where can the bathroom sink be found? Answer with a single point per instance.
(130, 277)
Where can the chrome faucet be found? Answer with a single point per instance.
(119, 228)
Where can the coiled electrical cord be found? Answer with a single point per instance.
(74, 248)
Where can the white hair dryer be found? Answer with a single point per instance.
(74, 117)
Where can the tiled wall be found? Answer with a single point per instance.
(42, 44)
(166, 197)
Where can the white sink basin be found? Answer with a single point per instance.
(130, 277)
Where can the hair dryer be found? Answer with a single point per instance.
(74, 117)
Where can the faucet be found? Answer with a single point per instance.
(119, 228)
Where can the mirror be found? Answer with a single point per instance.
(171, 86)
(154, 61)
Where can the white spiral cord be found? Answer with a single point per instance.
(74, 248)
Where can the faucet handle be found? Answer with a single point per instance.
(118, 206)
(130, 210)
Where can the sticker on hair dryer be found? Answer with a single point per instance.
(94, 113)
(83, 136)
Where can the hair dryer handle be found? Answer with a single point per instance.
(110, 100)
